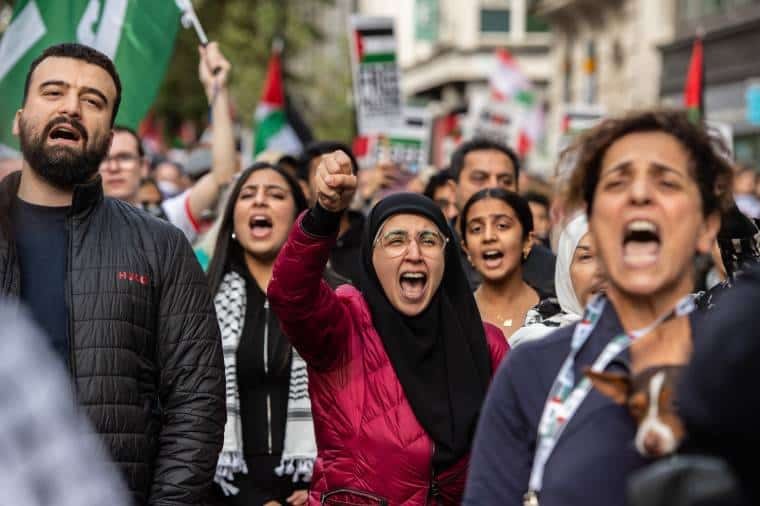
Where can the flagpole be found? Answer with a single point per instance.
(695, 78)
(190, 19)
(701, 37)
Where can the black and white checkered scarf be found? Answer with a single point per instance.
(299, 449)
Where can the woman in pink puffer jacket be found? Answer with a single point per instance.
(397, 370)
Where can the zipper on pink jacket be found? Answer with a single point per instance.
(434, 491)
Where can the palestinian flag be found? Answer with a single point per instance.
(375, 45)
(532, 122)
(508, 83)
(694, 90)
(507, 79)
(271, 127)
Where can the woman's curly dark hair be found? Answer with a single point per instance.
(710, 164)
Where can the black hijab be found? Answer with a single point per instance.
(440, 356)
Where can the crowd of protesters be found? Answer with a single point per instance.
(308, 331)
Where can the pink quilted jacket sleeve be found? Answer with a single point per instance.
(497, 345)
(317, 323)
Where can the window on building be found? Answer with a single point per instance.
(591, 82)
(691, 10)
(747, 149)
(494, 20)
(536, 24)
(567, 85)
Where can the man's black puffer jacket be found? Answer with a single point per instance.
(145, 349)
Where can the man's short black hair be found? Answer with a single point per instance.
(480, 144)
(319, 148)
(79, 52)
(288, 160)
(436, 181)
(133, 133)
(538, 198)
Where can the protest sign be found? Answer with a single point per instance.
(377, 92)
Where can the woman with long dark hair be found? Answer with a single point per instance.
(269, 437)
(497, 234)
(398, 370)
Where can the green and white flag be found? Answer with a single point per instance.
(138, 35)
(272, 130)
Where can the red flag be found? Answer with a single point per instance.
(274, 90)
(151, 131)
(693, 92)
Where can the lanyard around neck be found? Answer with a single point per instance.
(565, 396)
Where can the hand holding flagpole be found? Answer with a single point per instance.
(213, 70)
(190, 19)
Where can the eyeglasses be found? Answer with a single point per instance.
(122, 160)
(396, 243)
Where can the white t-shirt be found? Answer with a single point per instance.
(177, 210)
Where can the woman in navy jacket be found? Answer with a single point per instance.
(648, 182)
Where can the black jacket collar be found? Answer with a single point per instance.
(86, 197)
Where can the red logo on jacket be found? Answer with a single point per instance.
(134, 277)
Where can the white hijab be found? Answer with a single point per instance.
(568, 300)
(568, 241)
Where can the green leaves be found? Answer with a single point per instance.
(316, 63)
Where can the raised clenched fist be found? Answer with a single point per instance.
(336, 182)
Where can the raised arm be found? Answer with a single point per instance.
(311, 314)
(206, 191)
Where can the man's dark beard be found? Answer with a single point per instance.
(62, 166)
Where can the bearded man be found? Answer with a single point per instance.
(118, 292)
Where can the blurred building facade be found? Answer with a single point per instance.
(606, 57)
(586, 58)
(730, 32)
(446, 52)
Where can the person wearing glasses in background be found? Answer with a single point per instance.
(125, 166)
(118, 293)
(397, 371)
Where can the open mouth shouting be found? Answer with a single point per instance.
(641, 243)
(492, 259)
(65, 135)
(261, 226)
(413, 285)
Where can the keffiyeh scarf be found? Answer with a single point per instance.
(299, 449)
